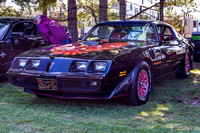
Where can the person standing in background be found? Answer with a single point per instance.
(52, 31)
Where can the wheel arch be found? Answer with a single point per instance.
(147, 60)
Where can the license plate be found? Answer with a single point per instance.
(47, 84)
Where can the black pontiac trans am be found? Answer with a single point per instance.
(114, 59)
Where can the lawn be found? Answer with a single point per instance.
(174, 106)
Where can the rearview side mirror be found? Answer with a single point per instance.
(80, 38)
(168, 38)
(162, 42)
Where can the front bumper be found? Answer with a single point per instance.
(72, 86)
(64, 83)
(69, 86)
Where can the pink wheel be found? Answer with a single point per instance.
(187, 64)
(142, 85)
(184, 67)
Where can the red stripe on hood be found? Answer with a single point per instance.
(73, 49)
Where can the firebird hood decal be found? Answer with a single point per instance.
(74, 49)
(105, 51)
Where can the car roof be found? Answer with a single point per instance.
(129, 21)
(15, 19)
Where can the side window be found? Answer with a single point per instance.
(27, 28)
(168, 32)
(19, 28)
(31, 28)
(165, 33)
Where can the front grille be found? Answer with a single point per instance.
(63, 84)
(77, 85)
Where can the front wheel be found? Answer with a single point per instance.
(141, 85)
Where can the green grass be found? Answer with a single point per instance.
(174, 106)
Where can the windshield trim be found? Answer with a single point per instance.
(121, 23)
(5, 31)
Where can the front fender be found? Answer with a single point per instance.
(124, 87)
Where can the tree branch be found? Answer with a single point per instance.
(143, 11)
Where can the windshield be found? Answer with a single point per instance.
(4, 26)
(128, 31)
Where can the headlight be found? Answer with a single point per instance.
(33, 64)
(78, 66)
(99, 66)
(19, 63)
(81, 66)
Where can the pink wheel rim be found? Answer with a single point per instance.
(187, 64)
(142, 84)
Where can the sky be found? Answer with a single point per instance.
(196, 15)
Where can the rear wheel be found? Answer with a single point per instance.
(141, 85)
(184, 69)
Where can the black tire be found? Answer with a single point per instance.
(137, 96)
(185, 67)
(196, 57)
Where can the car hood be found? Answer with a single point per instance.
(105, 51)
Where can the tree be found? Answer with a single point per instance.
(38, 4)
(24, 4)
(185, 5)
(103, 10)
(9, 12)
(161, 10)
(72, 19)
(88, 10)
(2, 1)
(122, 9)
(44, 4)
(144, 10)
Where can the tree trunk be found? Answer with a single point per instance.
(72, 19)
(44, 12)
(122, 9)
(103, 10)
(161, 10)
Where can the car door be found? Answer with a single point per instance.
(5, 26)
(171, 48)
(33, 35)
(31, 38)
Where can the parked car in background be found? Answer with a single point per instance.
(195, 40)
(17, 35)
(114, 59)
